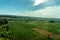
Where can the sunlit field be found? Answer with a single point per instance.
(32, 30)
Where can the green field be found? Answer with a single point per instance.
(21, 30)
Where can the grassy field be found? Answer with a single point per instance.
(21, 30)
(52, 27)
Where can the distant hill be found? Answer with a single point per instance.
(31, 18)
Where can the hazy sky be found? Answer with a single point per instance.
(34, 8)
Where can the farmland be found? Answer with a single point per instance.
(24, 30)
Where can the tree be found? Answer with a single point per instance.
(4, 28)
(3, 21)
(51, 21)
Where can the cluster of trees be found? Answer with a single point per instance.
(3, 26)
(3, 21)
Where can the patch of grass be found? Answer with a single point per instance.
(21, 31)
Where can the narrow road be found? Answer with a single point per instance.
(46, 33)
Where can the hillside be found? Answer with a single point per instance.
(29, 18)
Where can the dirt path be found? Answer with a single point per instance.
(46, 33)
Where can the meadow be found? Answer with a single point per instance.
(23, 30)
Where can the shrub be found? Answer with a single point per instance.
(3, 21)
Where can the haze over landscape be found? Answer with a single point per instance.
(33, 8)
(29, 19)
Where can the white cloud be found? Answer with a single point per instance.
(52, 11)
(37, 2)
(48, 12)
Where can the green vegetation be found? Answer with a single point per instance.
(21, 30)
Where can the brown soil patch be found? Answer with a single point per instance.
(46, 33)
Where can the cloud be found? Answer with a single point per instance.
(28, 4)
(37, 2)
(46, 4)
(50, 12)
(51, 8)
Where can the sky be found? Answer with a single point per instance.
(32, 8)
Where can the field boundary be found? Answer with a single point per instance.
(46, 33)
